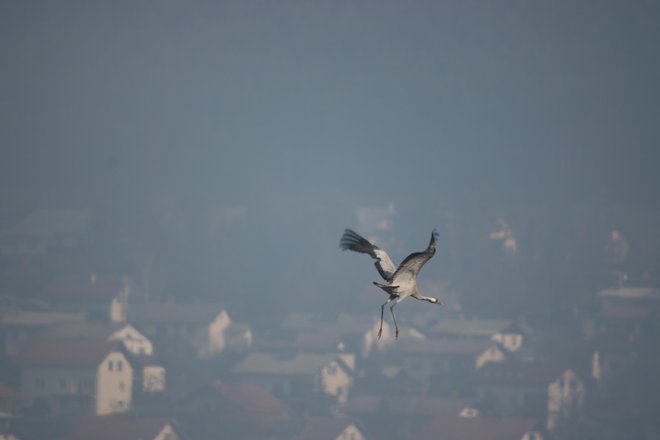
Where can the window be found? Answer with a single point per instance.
(120, 365)
(122, 386)
(111, 366)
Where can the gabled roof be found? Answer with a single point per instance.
(252, 399)
(87, 288)
(119, 427)
(175, 312)
(66, 352)
(324, 428)
(482, 428)
(300, 364)
(452, 347)
(470, 327)
(83, 330)
(516, 373)
(364, 404)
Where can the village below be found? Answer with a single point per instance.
(98, 355)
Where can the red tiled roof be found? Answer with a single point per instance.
(406, 405)
(482, 428)
(119, 427)
(66, 352)
(83, 287)
(324, 428)
(252, 399)
(516, 373)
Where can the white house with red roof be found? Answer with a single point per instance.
(136, 344)
(73, 376)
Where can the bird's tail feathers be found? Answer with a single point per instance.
(353, 241)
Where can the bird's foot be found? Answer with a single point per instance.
(380, 332)
(396, 334)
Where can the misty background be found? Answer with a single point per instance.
(224, 146)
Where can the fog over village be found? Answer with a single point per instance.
(176, 176)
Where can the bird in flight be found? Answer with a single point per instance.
(401, 281)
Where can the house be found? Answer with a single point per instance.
(194, 329)
(44, 231)
(243, 409)
(482, 428)
(133, 341)
(306, 332)
(102, 297)
(508, 334)
(400, 415)
(151, 375)
(441, 367)
(330, 428)
(115, 427)
(73, 376)
(531, 389)
(19, 327)
(300, 375)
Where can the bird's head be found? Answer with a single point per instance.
(434, 237)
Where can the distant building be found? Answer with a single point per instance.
(507, 334)
(18, 328)
(330, 428)
(441, 367)
(531, 389)
(151, 375)
(45, 231)
(482, 428)
(246, 410)
(299, 375)
(125, 428)
(101, 297)
(75, 376)
(201, 330)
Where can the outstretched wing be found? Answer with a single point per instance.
(353, 241)
(410, 267)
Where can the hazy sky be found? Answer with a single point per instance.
(294, 115)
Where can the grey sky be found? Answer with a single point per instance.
(299, 113)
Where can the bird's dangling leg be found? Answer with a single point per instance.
(396, 327)
(382, 308)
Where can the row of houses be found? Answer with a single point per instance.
(108, 355)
